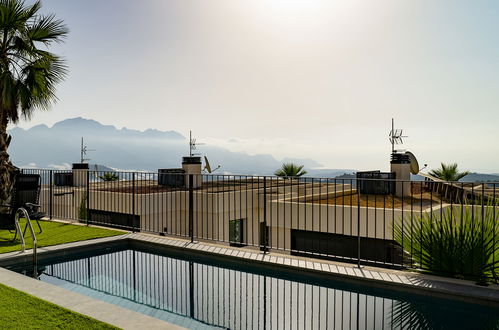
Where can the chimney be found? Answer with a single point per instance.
(401, 165)
(192, 165)
(80, 171)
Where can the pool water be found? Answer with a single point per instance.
(208, 294)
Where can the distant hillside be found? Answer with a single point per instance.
(127, 149)
(480, 177)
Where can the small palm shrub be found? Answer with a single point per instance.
(290, 170)
(461, 243)
(109, 177)
(448, 172)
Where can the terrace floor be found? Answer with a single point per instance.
(383, 201)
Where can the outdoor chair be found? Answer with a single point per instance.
(26, 194)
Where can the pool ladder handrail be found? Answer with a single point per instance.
(22, 211)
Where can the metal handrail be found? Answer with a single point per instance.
(22, 211)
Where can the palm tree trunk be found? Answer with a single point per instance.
(7, 170)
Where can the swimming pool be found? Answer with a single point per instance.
(204, 293)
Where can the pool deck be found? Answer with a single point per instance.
(403, 281)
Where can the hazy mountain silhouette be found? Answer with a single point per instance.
(128, 149)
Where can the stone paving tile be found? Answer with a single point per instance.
(333, 269)
(358, 272)
(342, 270)
(404, 279)
(367, 274)
(350, 271)
(395, 278)
(386, 277)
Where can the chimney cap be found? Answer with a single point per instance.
(400, 159)
(191, 160)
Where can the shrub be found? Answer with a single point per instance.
(290, 170)
(109, 177)
(461, 242)
(82, 209)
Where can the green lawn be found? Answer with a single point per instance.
(20, 310)
(53, 233)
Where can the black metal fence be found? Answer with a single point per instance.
(318, 217)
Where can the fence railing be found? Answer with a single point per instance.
(416, 226)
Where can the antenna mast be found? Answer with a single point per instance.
(395, 137)
(83, 152)
(192, 145)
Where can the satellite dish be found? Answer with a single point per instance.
(414, 162)
(207, 166)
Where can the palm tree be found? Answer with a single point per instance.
(448, 172)
(28, 71)
(290, 170)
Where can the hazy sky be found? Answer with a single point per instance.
(310, 79)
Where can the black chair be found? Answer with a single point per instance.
(26, 194)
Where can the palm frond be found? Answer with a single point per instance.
(448, 172)
(290, 170)
(46, 29)
(29, 74)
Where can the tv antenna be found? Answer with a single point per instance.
(83, 152)
(192, 145)
(395, 137)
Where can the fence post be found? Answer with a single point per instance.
(264, 233)
(88, 196)
(191, 208)
(133, 202)
(358, 225)
(51, 200)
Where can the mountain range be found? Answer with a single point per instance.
(127, 149)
